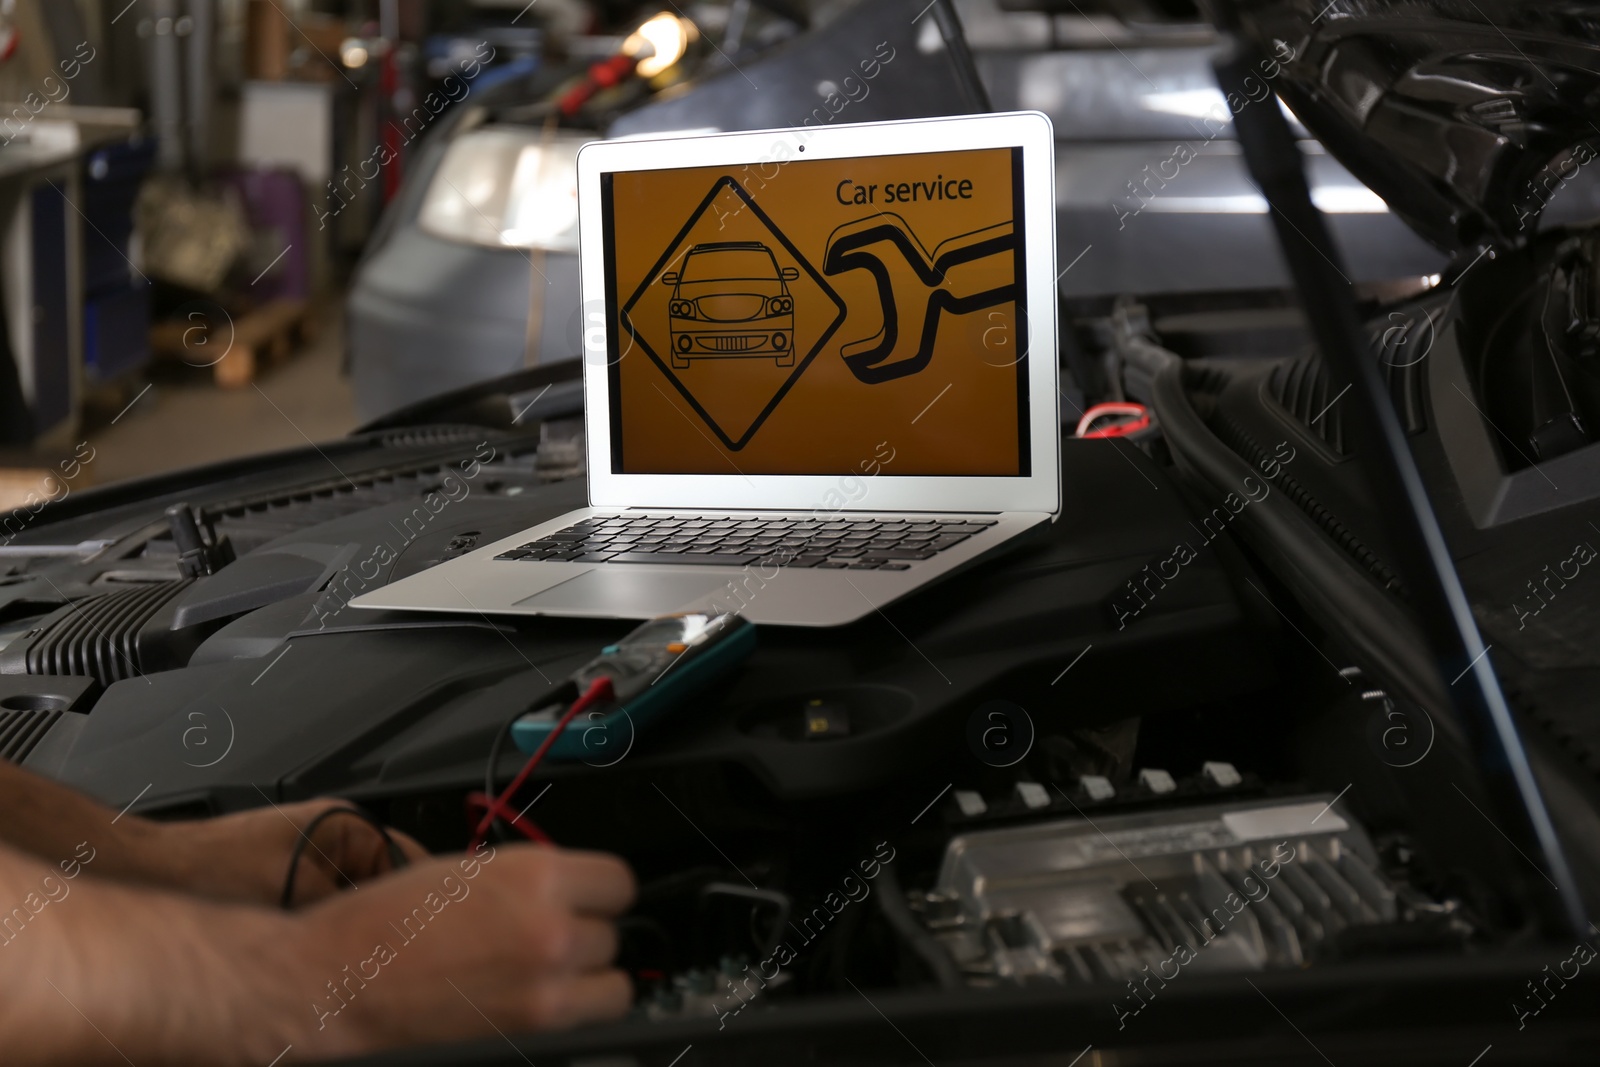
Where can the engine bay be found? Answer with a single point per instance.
(1118, 754)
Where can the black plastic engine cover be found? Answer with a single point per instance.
(308, 696)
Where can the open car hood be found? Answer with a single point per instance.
(1464, 115)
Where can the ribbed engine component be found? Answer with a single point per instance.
(99, 636)
(1234, 887)
(22, 729)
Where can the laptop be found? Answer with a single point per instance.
(819, 373)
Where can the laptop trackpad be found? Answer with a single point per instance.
(628, 592)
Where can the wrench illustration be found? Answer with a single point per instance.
(864, 244)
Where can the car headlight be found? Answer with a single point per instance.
(507, 187)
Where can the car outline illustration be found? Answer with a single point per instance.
(709, 320)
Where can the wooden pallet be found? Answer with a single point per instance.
(268, 334)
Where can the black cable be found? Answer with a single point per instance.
(776, 898)
(892, 902)
(397, 858)
(1320, 574)
(489, 791)
(488, 772)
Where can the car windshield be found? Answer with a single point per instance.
(728, 264)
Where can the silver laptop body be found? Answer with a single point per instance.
(819, 373)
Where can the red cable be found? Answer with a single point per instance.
(1121, 429)
(525, 826)
(599, 690)
(1137, 418)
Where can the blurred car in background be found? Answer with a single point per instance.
(474, 270)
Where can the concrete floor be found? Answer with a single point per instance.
(183, 419)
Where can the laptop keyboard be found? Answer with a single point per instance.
(831, 544)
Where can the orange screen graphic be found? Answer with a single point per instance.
(796, 318)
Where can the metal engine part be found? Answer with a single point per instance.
(1226, 887)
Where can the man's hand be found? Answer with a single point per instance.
(515, 938)
(245, 856)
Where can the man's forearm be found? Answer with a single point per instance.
(48, 820)
(96, 972)
(240, 857)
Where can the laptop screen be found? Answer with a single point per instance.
(819, 317)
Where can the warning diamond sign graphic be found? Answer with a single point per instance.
(732, 313)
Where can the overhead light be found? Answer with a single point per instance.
(1329, 199)
(353, 53)
(659, 43)
(507, 187)
(1203, 104)
(1189, 103)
